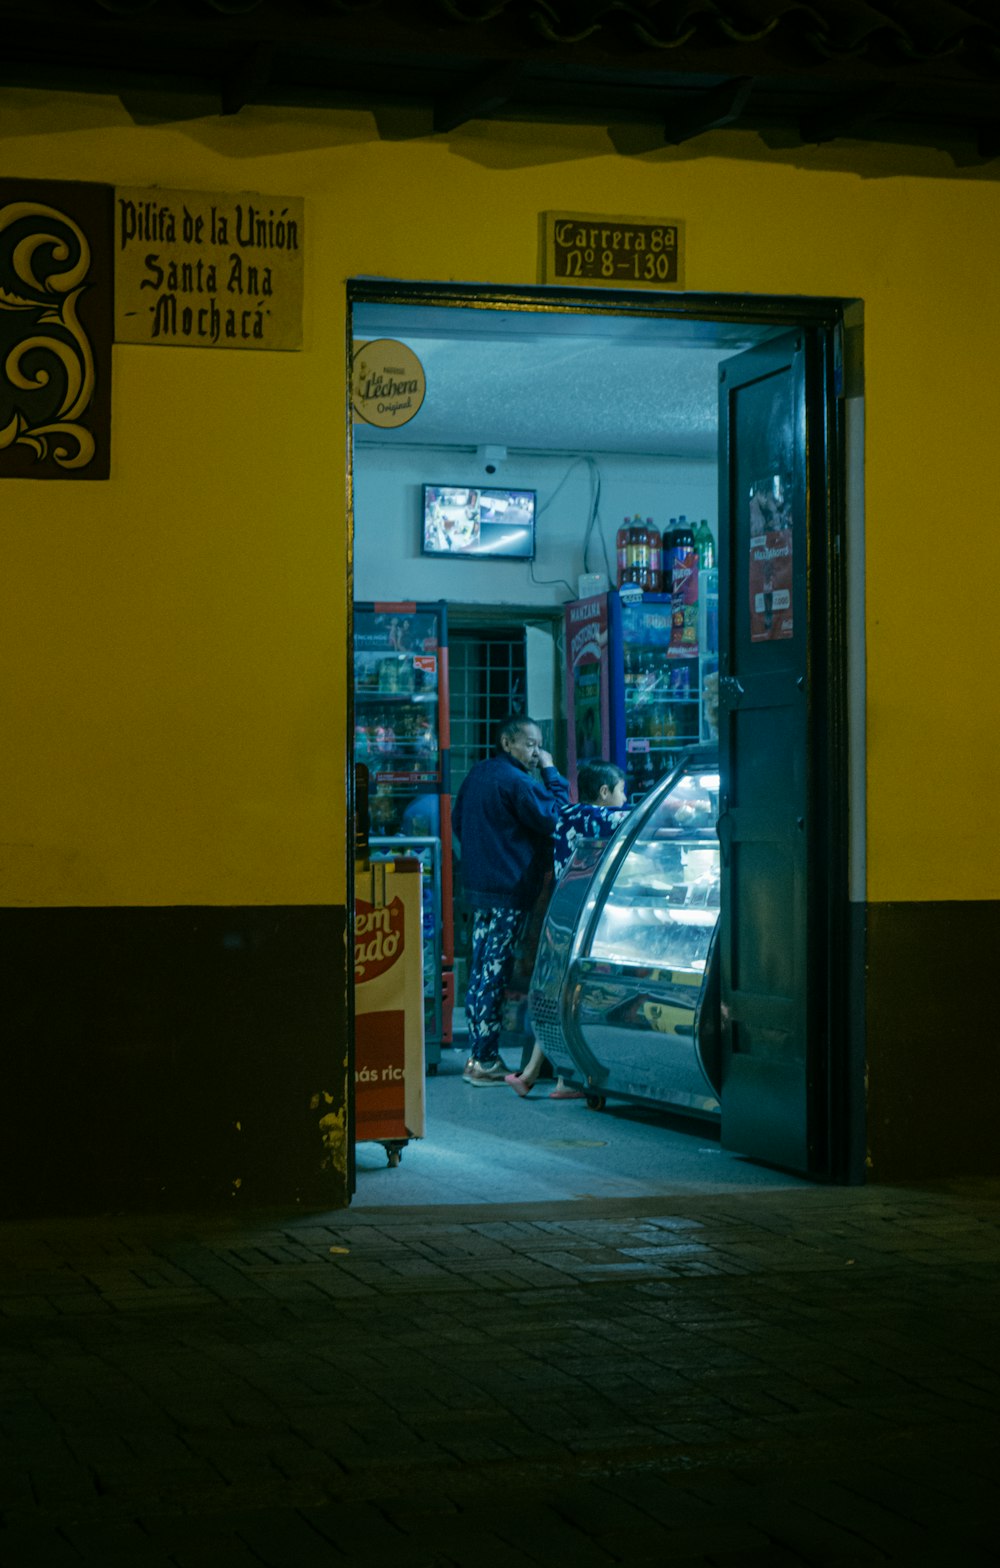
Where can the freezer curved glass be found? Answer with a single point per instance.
(663, 904)
(623, 991)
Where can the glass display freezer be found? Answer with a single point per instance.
(624, 994)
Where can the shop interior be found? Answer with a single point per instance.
(592, 437)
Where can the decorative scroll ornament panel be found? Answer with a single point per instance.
(56, 320)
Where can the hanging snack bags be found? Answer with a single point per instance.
(684, 605)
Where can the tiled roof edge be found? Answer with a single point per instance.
(936, 29)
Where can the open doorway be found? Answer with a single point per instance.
(581, 405)
(502, 659)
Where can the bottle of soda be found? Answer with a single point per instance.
(644, 552)
(683, 538)
(705, 545)
(655, 557)
(621, 553)
(638, 552)
(647, 671)
(681, 542)
(667, 557)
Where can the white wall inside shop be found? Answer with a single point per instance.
(387, 501)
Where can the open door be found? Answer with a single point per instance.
(772, 954)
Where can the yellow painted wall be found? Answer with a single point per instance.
(175, 637)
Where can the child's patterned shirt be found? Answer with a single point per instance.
(583, 821)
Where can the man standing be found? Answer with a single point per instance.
(505, 819)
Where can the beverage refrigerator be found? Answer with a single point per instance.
(401, 734)
(425, 850)
(642, 677)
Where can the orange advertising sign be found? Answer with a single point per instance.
(379, 936)
(380, 1076)
(388, 1000)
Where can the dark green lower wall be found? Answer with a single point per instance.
(933, 973)
(172, 1059)
(194, 1058)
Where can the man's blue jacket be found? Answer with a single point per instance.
(505, 820)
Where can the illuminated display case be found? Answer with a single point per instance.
(663, 905)
(401, 735)
(623, 997)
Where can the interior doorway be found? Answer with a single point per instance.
(502, 659)
(594, 343)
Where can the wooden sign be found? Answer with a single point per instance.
(56, 282)
(200, 269)
(619, 253)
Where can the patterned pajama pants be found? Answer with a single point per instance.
(494, 940)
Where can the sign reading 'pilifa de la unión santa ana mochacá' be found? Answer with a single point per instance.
(201, 269)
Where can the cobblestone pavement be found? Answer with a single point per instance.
(772, 1378)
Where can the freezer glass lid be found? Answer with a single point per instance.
(663, 903)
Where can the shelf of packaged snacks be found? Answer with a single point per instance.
(671, 748)
(404, 776)
(372, 694)
(651, 698)
(398, 754)
(420, 753)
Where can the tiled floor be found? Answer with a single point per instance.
(487, 1145)
(768, 1376)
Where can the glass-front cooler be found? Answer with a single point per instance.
(642, 678)
(427, 851)
(401, 735)
(624, 994)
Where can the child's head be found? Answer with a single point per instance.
(600, 784)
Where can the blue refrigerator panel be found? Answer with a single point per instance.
(658, 667)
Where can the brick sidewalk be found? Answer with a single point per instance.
(803, 1377)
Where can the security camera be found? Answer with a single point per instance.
(491, 457)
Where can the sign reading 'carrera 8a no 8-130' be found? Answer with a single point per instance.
(623, 253)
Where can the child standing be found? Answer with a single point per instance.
(597, 814)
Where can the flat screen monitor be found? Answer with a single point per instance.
(470, 522)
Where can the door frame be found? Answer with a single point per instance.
(828, 324)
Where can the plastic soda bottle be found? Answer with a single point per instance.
(638, 552)
(621, 553)
(704, 543)
(655, 557)
(667, 557)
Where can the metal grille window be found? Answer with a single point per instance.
(487, 673)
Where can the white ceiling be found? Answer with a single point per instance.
(546, 381)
